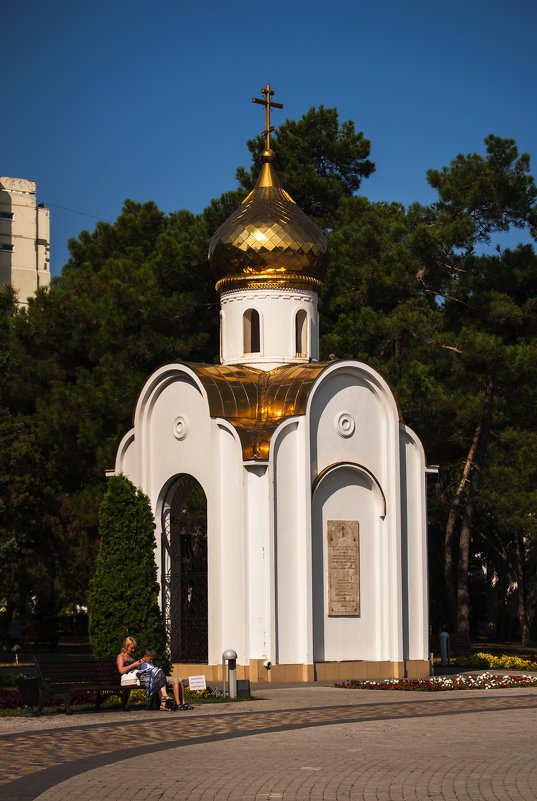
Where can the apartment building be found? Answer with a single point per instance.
(24, 238)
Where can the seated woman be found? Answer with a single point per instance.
(125, 659)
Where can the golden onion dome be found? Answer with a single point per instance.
(268, 241)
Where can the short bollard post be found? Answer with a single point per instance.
(230, 657)
(444, 648)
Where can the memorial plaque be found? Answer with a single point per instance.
(343, 568)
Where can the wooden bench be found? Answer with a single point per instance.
(70, 675)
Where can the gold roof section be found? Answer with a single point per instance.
(255, 402)
(268, 241)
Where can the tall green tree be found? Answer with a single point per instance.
(9, 429)
(134, 295)
(505, 541)
(319, 161)
(406, 292)
(488, 308)
(480, 195)
(123, 598)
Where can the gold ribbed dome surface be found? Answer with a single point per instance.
(268, 241)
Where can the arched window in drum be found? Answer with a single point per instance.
(251, 331)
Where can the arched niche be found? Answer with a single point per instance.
(347, 494)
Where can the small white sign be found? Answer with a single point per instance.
(196, 683)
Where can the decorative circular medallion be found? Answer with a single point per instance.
(344, 424)
(181, 427)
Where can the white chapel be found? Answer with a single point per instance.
(289, 496)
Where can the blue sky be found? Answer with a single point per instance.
(107, 101)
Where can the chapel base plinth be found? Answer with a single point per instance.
(257, 673)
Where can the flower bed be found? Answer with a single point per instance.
(485, 681)
(484, 660)
(197, 695)
(11, 699)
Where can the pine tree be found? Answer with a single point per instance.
(489, 307)
(319, 161)
(123, 599)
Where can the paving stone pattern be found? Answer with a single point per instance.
(457, 747)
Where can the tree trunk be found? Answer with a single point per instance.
(463, 595)
(449, 538)
(481, 437)
(521, 604)
(501, 595)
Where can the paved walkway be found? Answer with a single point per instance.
(305, 743)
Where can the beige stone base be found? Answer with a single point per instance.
(257, 673)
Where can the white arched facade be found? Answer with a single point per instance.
(345, 457)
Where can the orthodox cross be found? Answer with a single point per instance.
(268, 103)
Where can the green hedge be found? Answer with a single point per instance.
(123, 599)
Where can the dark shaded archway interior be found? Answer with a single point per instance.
(185, 570)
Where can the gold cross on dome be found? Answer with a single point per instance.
(268, 103)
